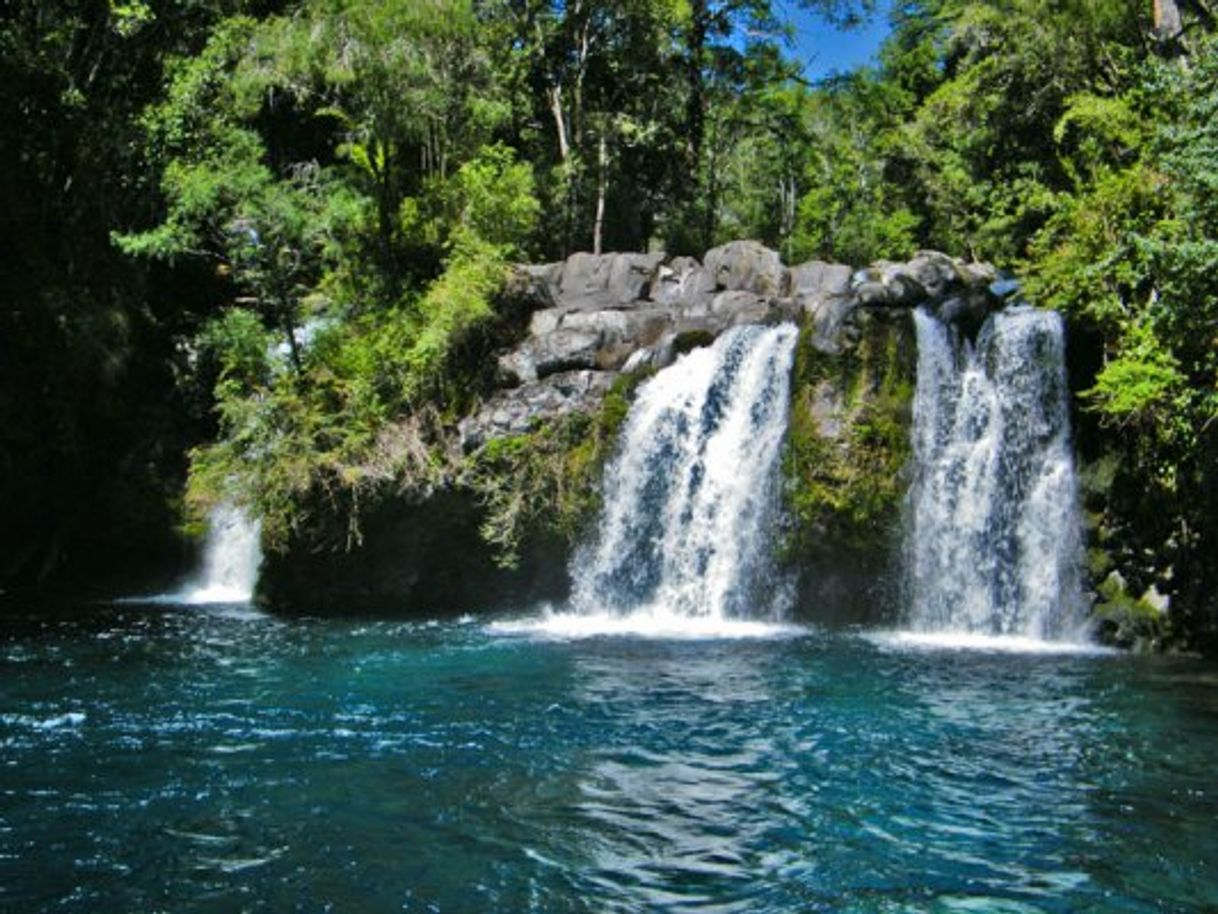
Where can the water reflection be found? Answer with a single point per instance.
(156, 759)
(675, 808)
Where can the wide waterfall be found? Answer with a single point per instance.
(683, 543)
(995, 535)
(231, 558)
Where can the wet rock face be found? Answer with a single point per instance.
(596, 316)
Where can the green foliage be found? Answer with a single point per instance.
(845, 481)
(848, 212)
(548, 481)
(361, 415)
(238, 342)
(92, 422)
(395, 267)
(1141, 384)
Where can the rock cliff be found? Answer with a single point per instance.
(529, 456)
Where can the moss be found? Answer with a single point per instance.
(547, 482)
(1099, 563)
(1124, 620)
(848, 442)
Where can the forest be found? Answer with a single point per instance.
(257, 251)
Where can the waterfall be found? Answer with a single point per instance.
(690, 498)
(995, 535)
(231, 557)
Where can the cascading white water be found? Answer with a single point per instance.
(690, 499)
(231, 558)
(995, 534)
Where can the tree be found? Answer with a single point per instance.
(89, 416)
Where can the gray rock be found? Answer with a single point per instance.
(641, 327)
(902, 284)
(968, 310)
(933, 271)
(829, 318)
(582, 274)
(681, 280)
(873, 293)
(631, 275)
(730, 303)
(818, 278)
(561, 350)
(545, 275)
(516, 367)
(545, 321)
(633, 312)
(746, 266)
(592, 281)
(519, 411)
(653, 358)
(977, 274)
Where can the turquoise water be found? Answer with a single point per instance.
(202, 760)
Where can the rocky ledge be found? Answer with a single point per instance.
(596, 316)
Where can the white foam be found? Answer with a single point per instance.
(215, 593)
(651, 623)
(972, 641)
(232, 556)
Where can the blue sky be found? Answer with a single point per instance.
(823, 49)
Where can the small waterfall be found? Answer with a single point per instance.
(995, 533)
(690, 499)
(231, 558)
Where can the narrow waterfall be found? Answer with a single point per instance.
(231, 558)
(995, 532)
(690, 499)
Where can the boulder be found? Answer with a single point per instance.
(818, 278)
(967, 310)
(545, 276)
(933, 272)
(976, 274)
(680, 281)
(591, 281)
(545, 321)
(746, 266)
(829, 319)
(652, 358)
(640, 327)
(873, 293)
(561, 350)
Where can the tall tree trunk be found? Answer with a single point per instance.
(602, 183)
(554, 97)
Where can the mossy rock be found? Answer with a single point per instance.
(545, 485)
(1125, 621)
(848, 442)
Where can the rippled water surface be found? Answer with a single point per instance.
(188, 760)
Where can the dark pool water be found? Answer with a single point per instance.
(202, 760)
